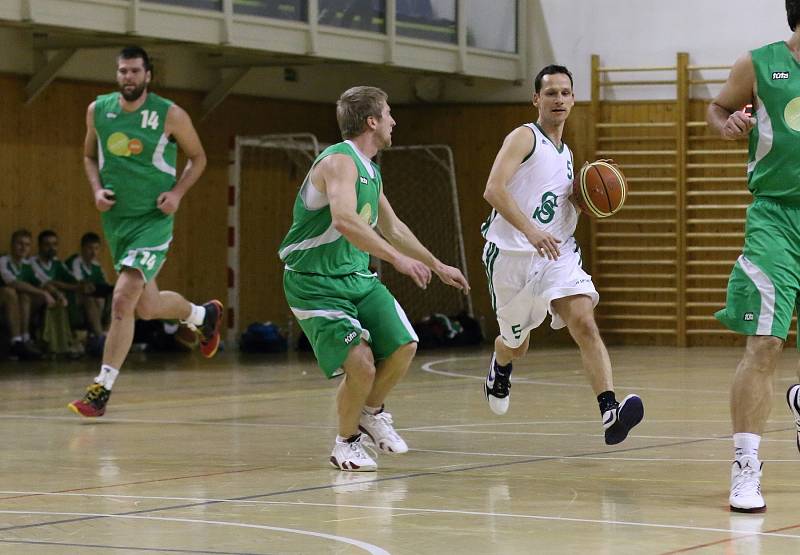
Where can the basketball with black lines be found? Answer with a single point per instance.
(600, 189)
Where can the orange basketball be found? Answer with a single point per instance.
(600, 188)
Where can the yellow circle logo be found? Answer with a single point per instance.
(366, 214)
(792, 114)
(117, 144)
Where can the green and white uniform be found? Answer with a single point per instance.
(11, 271)
(327, 281)
(764, 286)
(137, 162)
(45, 272)
(81, 271)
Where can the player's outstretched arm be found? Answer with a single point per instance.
(179, 125)
(516, 146)
(103, 198)
(725, 113)
(338, 174)
(403, 239)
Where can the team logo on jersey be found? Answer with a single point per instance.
(366, 214)
(111, 115)
(349, 337)
(120, 144)
(547, 210)
(749, 317)
(362, 180)
(776, 75)
(791, 114)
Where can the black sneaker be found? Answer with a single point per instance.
(618, 421)
(209, 331)
(496, 388)
(26, 350)
(93, 403)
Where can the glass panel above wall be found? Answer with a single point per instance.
(215, 5)
(492, 25)
(293, 10)
(427, 19)
(364, 15)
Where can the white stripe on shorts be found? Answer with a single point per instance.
(403, 318)
(767, 291)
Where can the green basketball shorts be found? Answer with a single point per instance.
(764, 285)
(139, 242)
(336, 313)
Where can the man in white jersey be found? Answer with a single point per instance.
(532, 261)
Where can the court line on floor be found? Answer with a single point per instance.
(423, 510)
(413, 475)
(428, 367)
(731, 540)
(643, 459)
(131, 548)
(368, 547)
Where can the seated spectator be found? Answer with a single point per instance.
(52, 275)
(18, 292)
(89, 306)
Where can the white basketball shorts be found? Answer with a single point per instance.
(523, 285)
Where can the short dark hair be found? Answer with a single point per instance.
(793, 13)
(355, 106)
(89, 237)
(553, 70)
(133, 52)
(18, 234)
(45, 234)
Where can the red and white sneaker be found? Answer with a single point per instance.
(380, 430)
(93, 403)
(746, 486)
(352, 457)
(793, 400)
(209, 331)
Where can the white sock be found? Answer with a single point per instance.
(746, 445)
(197, 315)
(107, 376)
(26, 337)
(372, 411)
(16, 339)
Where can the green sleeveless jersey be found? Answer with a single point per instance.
(136, 158)
(774, 160)
(313, 245)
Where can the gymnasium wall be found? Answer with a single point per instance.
(44, 185)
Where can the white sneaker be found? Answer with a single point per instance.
(746, 487)
(352, 457)
(793, 399)
(496, 388)
(380, 430)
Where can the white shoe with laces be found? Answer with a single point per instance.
(380, 430)
(793, 399)
(352, 457)
(746, 486)
(496, 388)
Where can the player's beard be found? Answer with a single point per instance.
(134, 94)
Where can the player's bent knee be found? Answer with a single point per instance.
(584, 327)
(762, 352)
(407, 351)
(360, 365)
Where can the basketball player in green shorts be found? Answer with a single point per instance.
(764, 286)
(353, 322)
(129, 156)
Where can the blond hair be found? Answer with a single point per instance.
(355, 106)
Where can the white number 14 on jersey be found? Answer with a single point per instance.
(149, 119)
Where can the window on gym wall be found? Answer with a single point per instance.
(364, 15)
(293, 10)
(427, 19)
(492, 25)
(215, 5)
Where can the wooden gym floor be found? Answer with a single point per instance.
(230, 456)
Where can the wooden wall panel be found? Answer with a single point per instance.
(44, 185)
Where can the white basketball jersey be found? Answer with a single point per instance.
(541, 187)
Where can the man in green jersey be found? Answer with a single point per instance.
(764, 286)
(130, 152)
(19, 292)
(86, 269)
(353, 322)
